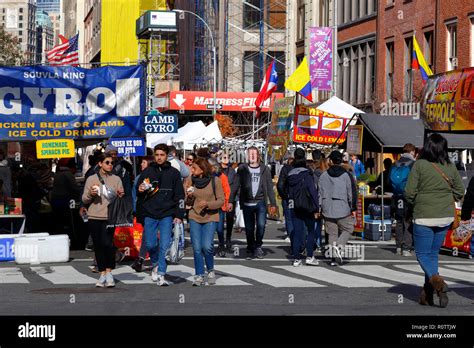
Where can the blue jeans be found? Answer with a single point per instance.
(157, 250)
(288, 221)
(317, 231)
(220, 227)
(300, 221)
(256, 213)
(428, 241)
(202, 239)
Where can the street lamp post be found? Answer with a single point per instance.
(213, 56)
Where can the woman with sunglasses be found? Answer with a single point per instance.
(100, 189)
(190, 159)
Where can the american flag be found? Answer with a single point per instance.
(66, 53)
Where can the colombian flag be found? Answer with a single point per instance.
(300, 81)
(419, 61)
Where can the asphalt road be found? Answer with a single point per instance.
(381, 283)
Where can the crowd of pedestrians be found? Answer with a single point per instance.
(316, 195)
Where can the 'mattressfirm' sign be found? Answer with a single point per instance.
(159, 123)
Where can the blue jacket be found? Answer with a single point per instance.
(358, 167)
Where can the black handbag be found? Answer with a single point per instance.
(120, 212)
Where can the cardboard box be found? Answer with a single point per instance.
(17, 208)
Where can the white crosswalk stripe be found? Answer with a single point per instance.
(266, 277)
(350, 276)
(334, 277)
(12, 275)
(63, 275)
(445, 272)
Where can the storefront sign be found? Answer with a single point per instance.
(158, 123)
(44, 102)
(359, 222)
(320, 62)
(225, 101)
(354, 139)
(279, 132)
(319, 127)
(129, 146)
(448, 101)
(57, 148)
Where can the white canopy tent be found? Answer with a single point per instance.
(339, 107)
(193, 133)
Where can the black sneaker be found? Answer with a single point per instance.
(228, 246)
(250, 255)
(259, 253)
(221, 252)
(338, 255)
(138, 265)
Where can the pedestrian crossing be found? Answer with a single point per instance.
(347, 276)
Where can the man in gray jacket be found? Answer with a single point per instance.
(253, 184)
(338, 202)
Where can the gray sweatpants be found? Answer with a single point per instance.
(339, 230)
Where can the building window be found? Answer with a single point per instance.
(301, 22)
(428, 48)
(20, 40)
(252, 13)
(408, 82)
(20, 32)
(370, 84)
(20, 25)
(324, 14)
(279, 56)
(452, 46)
(389, 68)
(277, 14)
(21, 9)
(251, 71)
(20, 18)
(362, 8)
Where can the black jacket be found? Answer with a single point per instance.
(468, 203)
(169, 200)
(282, 178)
(242, 185)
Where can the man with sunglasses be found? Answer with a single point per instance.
(162, 193)
(190, 159)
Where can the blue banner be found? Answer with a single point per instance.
(159, 123)
(129, 146)
(43, 102)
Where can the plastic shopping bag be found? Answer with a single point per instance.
(176, 250)
(120, 212)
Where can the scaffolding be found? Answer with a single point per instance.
(158, 49)
(254, 36)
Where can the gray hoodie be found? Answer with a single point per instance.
(337, 193)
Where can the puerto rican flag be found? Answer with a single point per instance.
(67, 53)
(269, 85)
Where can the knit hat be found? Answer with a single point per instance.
(110, 148)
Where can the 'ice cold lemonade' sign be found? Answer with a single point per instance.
(53, 102)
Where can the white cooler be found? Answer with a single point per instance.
(7, 243)
(46, 249)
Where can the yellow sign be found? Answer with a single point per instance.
(55, 148)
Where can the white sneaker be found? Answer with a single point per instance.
(211, 278)
(337, 255)
(288, 240)
(311, 261)
(161, 281)
(198, 280)
(297, 263)
(154, 274)
(399, 251)
(110, 283)
(101, 282)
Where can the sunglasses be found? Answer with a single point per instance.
(189, 159)
(108, 162)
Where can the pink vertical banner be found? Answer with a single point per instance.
(320, 62)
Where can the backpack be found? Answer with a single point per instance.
(301, 198)
(399, 177)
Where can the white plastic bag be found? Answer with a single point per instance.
(176, 250)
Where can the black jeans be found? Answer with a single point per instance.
(252, 214)
(104, 248)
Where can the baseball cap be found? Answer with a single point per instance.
(214, 149)
(336, 157)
